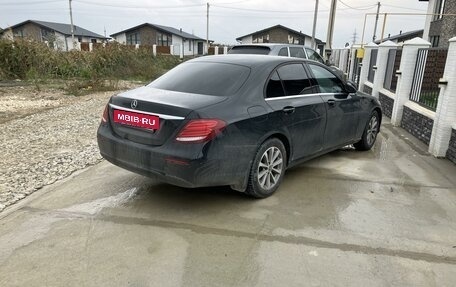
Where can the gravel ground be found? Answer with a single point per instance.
(49, 145)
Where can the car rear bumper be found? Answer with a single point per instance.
(178, 164)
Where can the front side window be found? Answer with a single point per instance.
(327, 81)
(314, 55)
(297, 52)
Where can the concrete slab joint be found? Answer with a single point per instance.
(446, 107)
(405, 76)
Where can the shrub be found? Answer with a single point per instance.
(29, 60)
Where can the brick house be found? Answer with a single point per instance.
(440, 28)
(153, 34)
(280, 34)
(57, 35)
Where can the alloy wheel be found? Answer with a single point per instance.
(270, 168)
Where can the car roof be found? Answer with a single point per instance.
(270, 45)
(251, 61)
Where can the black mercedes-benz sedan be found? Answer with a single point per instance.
(237, 120)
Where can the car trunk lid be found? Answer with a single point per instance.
(151, 116)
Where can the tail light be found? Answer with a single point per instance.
(104, 118)
(200, 130)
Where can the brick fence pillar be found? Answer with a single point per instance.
(405, 76)
(382, 62)
(445, 115)
(365, 64)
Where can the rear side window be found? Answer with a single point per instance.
(326, 80)
(257, 50)
(297, 52)
(314, 55)
(274, 88)
(295, 80)
(207, 78)
(283, 52)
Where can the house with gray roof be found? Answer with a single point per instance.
(164, 36)
(57, 35)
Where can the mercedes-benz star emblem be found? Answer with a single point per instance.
(134, 104)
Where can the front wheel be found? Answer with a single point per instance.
(370, 133)
(267, 169)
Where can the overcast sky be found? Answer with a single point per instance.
(228, 19)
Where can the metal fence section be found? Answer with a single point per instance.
(393, 64)
(356, 68)
(372, 62)
(430, 65)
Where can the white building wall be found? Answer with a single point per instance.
(247, 40)
(60, 42)
(121, 38)
(429, 18)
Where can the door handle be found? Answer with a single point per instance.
(288, 110)
(331, 102)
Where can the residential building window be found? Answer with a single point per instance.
(133, 38)
(18, 33)
(261, 38)
(435, 41)
(164, 39)
(46, 35)
(439, 9)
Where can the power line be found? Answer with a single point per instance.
(357, 8)
(405, 8)
(139, 7)
(30, 2)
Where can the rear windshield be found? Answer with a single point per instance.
(207, 78)
(258, 50)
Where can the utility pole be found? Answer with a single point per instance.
(314, 43)
(207, 28)
(329, 36)
(72, 27)
(376, 21)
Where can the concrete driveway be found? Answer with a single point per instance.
(386, 217)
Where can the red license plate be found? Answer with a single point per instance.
(137, 120)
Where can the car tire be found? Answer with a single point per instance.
(266, 174)
(370, 133)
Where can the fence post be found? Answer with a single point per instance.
(78, 46)
(352, 67)
(365, 64)
(90, 47)
(181, 50)
(154, 50)
(405, 76)
(216, 50)
(225, 50)
(171, 49)
(445, 115)
(136, 46)
(343, 60)
(382, 62)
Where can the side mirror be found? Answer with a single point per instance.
(351, 87)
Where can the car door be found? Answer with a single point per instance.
(341, 107)
(296, 104)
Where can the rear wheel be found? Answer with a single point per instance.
(267, 169)
(370, 133)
